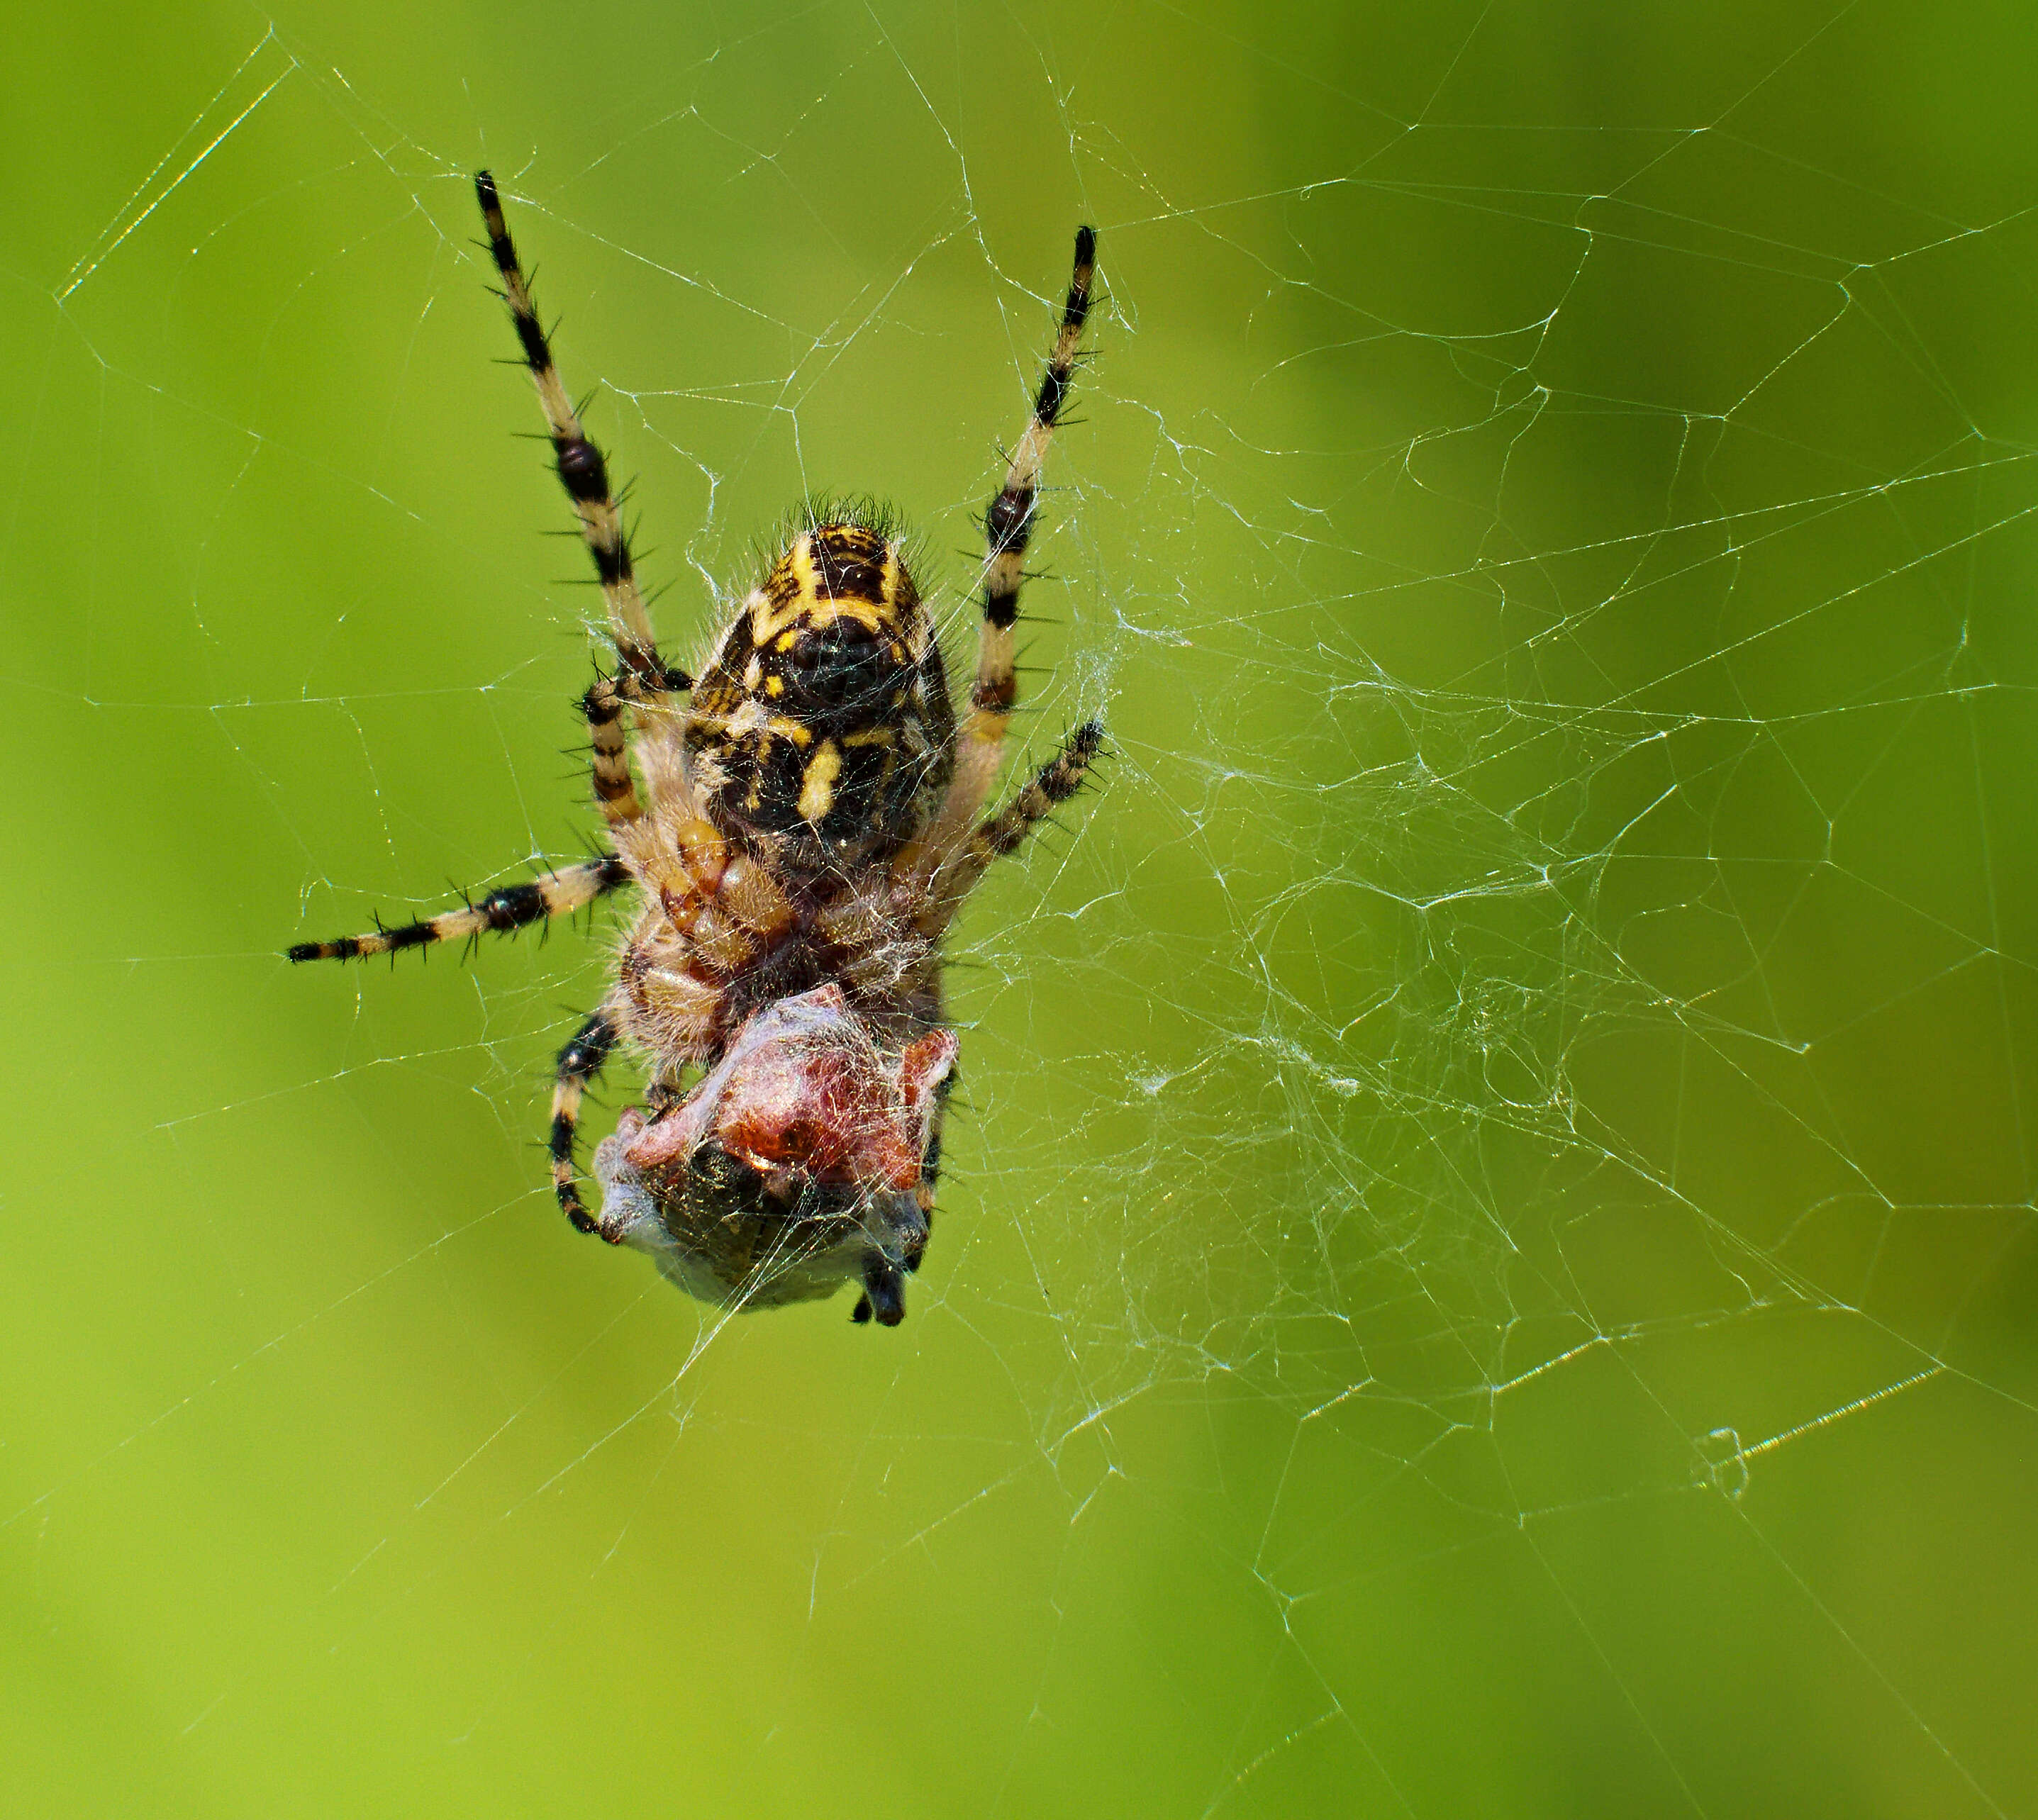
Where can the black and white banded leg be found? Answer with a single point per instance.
(580, 1061)
(513, 907)
(581, 469)
(1008, 526)
(1054, 784)
(608, 734)
(585, 475)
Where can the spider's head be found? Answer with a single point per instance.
(804, 1094)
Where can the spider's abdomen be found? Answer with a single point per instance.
(822, 731)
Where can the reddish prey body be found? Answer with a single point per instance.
(804, 1084)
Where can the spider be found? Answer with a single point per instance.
(801, 823)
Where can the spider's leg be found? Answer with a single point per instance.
(580, 1061)
(883, 1292)
(602, 706)
(557, 894)
(1054, 784)
(1007, 525)
(582, 472)
(930, 1175)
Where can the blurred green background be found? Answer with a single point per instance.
(1489, 1266)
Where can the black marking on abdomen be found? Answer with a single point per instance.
(849, 563)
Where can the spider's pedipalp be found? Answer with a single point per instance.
(513, 907)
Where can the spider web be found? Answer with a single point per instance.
(1487, 1260)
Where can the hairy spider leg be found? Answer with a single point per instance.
(643, 677)
(557, 894)
(1008, 524)
(614, 789)
(1052, 785)
(580, 1061)
(884, 1293)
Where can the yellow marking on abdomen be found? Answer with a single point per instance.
(817, 781)
(764, 624)
(817, 615)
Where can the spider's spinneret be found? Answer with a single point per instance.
(821, 733)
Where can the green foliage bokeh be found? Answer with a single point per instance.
(1488, 1267)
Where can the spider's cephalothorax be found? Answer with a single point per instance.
(821, 733)
(810, 818)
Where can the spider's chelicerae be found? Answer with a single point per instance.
(801, 823)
